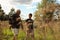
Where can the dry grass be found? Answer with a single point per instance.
(43, 31)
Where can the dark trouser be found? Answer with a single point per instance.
(30, 33)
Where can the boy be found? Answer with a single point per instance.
(30, 30)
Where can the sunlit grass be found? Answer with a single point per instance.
(52, 33)
(22, 35)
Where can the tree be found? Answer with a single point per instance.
(1, 18)
(1, 13)
(11, 12)
(46, 6)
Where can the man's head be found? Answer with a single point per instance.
(30, 15)
(18, 12)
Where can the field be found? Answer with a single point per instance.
(44, 31)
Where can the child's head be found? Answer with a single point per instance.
(30, 15)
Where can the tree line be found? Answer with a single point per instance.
(4, 16)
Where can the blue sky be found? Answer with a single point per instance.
(26, 6)
(58, 1)
(26, 9)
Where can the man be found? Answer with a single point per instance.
(30, 30)
(15, 23)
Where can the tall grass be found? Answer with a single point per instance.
(45, 31)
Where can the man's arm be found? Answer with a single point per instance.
(21, 25)
(20, 22)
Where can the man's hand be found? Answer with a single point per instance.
(18, 19)
(22, 26)
(10, 27)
